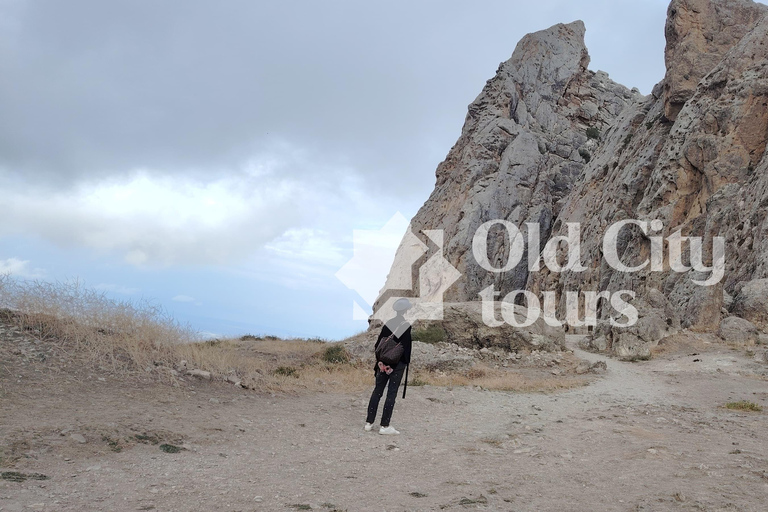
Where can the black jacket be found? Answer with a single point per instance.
(404, 338)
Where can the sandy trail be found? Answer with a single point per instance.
(622, 383)
(644, 436)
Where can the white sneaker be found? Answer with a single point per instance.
(368, 427)
(388, 431)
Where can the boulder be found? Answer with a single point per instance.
(751, 302)
(597, 344)
(599, 367)
(628, 345)
(738, 330)
(587, 367)
(79, 438)
(657, 319)
(463, 324)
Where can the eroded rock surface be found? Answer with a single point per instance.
(550, 142)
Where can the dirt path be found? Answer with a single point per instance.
(622, 383)
(645, 436)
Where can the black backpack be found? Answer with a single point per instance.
(390, 350)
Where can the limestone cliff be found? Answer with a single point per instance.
(551, 142)
(523, 145)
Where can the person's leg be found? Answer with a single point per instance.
(378, 392)
(389, 403)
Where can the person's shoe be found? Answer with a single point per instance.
(388, 431)
(368, 427)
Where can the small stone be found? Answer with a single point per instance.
(79, 438)
(200, 374)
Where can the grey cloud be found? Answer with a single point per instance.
(90, 89)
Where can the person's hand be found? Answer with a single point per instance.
(386, 369)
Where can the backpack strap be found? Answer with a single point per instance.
(405, 386)
(397, 328)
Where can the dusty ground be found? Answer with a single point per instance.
(644, 436)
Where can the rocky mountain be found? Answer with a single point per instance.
(549, 142)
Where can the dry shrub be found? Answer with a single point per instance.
(476, 372)
(743, 405)
(126, 335)
(336, 353)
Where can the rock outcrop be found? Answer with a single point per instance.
(464, 325)
(699, 33)
(525, 141)
(549, 142)
(751, 302)
(704, 175)
(738, 330)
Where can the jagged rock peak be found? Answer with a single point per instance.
(699, 33)
(551, 56)
(549, 143)
(525, 140)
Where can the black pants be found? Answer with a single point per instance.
(382, 379)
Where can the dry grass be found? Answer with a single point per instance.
(276, 365)
(124, 335)
(131, 337)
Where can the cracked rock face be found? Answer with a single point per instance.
(699, 33)
(523, 145)
(550, 142)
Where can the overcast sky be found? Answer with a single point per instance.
(217, 156)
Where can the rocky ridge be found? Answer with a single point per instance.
(550, 142)
(523, 145)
